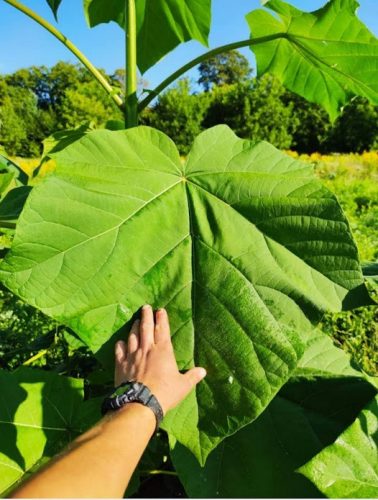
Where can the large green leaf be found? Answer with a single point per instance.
(323, 358)
(40, 412)
(260, 461)
(242, 245)
(327, 56)
(9, 169)
(161, 24)
(13, 202)
(349, 467)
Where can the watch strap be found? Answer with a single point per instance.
(140, 394)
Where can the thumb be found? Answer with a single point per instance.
(195, 375)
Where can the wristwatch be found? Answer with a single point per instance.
(133, 392)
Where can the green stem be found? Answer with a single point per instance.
(8, 225)
(158, 471)
(31, 360)
(211, 53)
(70, 46)
(131, 107)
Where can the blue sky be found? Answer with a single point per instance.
(24, 43)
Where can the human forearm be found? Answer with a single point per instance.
(100, 462)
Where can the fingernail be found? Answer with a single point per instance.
(146, 306)
(202, 372)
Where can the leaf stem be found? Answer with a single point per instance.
(207, 55)
(31, 360)
(70, 46)
(158, 471)
(131, 106)
(7, 224)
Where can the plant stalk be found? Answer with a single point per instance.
(207, 55)
(31, 360)
(131, 101)
(158, 471)
(70, 46)
(7, 224)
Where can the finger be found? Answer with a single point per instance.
(120, 352)
(194, 376)
(162, 333)
(133, 342)
(146, 334)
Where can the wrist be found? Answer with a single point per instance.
(140, 411)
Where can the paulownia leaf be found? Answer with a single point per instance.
(348, 468)
(260, 461)
(323, 358)
(161, 24)
(370, 272)
(54, 6)
(326, 56)
(40, 412)
(241, 244)
(8, 168)
(13, 202)
(63, 138)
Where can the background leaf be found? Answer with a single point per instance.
(260, 461)
(348, 468)
(12, 204)
(241, 244)
(161, 24)
(8, 167)
(327, 56)
(323, 359)
(39, 408)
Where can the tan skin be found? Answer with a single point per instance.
(100, 462)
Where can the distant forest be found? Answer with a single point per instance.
(37, 101)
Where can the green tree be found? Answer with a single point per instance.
(253, 109)
(85, 102)
(310, 124)
(224, 69)
(356, 129)
(179, 114)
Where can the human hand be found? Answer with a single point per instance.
(148, 357)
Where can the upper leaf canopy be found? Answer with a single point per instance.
(54, 6)
(327, 56)
(161, 24)
(241, 244)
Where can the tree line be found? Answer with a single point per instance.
(37, 101)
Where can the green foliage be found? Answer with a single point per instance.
(179, 114)
(41, 408)
(63, 97)
(225, 189)
(253, 110)
(86, 102)
(356, 129)
(348, 468)
(161, 24)
(318, 46)
(309, 413)
(224, 69)
(36, 102)
(249, 249)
